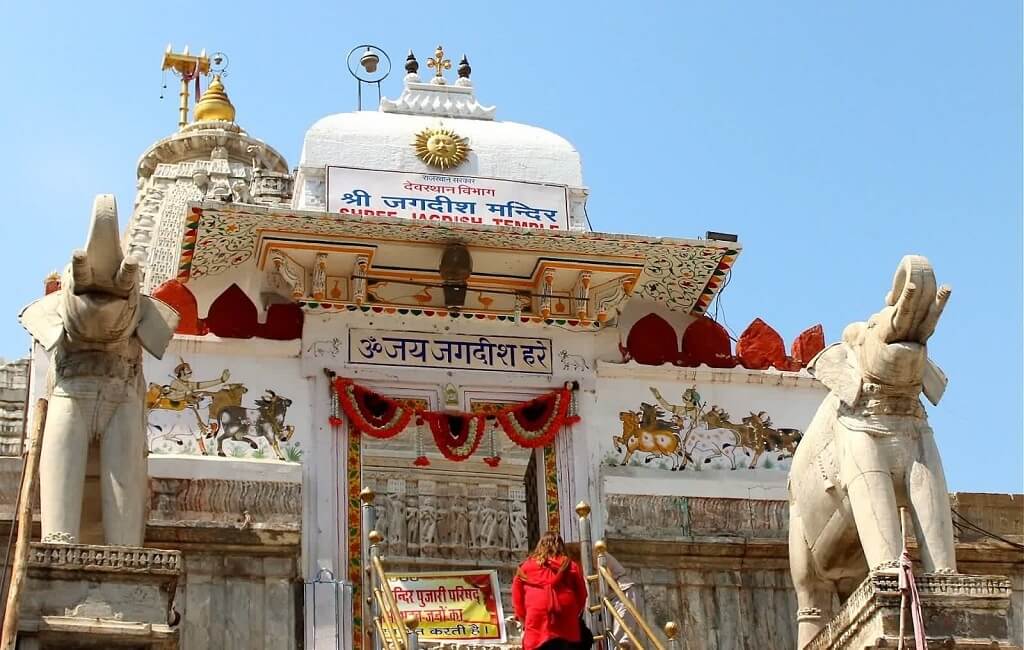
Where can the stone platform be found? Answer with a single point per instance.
(81, 596)
(961, 612)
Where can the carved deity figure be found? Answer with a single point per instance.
(869, 451)
(474, 523)
(502, 526)
(95, 328)
(458, 523)
(428, 521)
(488, 524)
(412, 524)
(518, 526)
(394, 513)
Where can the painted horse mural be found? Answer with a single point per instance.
(644, 432)
(696, 433)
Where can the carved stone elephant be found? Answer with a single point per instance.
(94, 329)
(868, 451)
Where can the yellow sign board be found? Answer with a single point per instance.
(452, 605)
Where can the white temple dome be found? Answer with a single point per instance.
(386, 140)
(379, 140)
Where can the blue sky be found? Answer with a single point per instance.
(833, 137)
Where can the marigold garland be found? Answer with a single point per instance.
(457, 436)
(531, 424)
(372, 414)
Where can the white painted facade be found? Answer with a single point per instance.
(588, 463)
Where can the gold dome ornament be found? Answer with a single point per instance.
(440, 147)
(214, 105)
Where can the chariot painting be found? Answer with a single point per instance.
(695, 435)
(218, 416)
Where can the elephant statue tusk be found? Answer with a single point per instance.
(81, 272)
(927, 327)
(903, 319)
(127, 274)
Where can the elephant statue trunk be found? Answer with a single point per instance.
(95, 329)
(869, 451)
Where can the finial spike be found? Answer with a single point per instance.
(412, 66)
(464, 69)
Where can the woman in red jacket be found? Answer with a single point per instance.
(548, 595)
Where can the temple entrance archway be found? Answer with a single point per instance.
(436, 514)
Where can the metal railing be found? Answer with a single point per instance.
(609, 607)
(390, 630)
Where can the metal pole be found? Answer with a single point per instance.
(601, 550)
(587, 560)
(183, 105)
(903, 592)
(369, 521)
(411, 623)
(24, 523)
(672, 632)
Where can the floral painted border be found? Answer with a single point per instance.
(354, 472)
(551, 486)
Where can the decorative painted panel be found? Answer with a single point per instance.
(225, 406)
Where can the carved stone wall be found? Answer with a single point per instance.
(239, 541)
(13, 391)
(719, 567)
(457, 518)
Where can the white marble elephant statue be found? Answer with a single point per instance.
(869, 451)
(94, 329)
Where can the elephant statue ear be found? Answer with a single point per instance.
(43, 320)
(157, 322)
(836, 367)
(933, 382)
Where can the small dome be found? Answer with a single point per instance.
(214, 105)
(378, 140)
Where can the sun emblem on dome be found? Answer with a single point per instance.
(440, 147)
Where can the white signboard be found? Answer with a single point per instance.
(449, 351)
(446, 197)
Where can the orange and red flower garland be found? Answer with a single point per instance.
(457, 435)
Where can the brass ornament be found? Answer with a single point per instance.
(440, 147)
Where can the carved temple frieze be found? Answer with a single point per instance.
(650, 517)
(231, 502)
(461, 519)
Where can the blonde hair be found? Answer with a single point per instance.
(550, 545)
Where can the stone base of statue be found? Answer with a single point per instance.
(81, 596)
(960, 612)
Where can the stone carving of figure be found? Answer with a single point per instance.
(501, 526)
(395, 514)
(412, 524)
(428, 522)
(474, 524)
(488, 524)
(457, 523)
(518, 526)
(869, 451)
(95, 328)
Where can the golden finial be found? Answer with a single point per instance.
(583, 509)
(671, 630)
(439, 64)
(214, 105)
(375, 537)
(366, 495)
(600, 547)
(411, 621)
